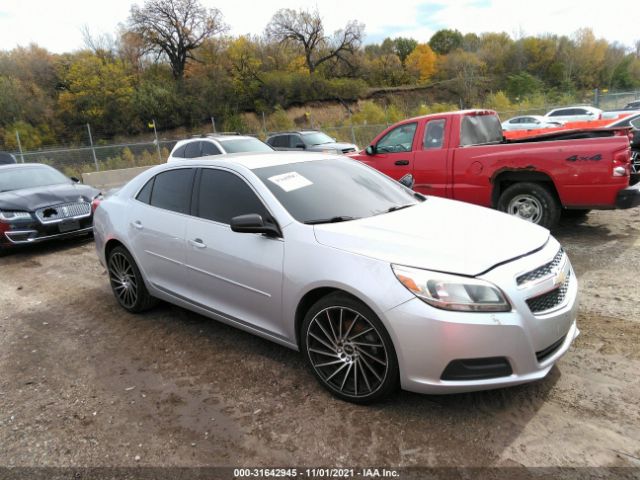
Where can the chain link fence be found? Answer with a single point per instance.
(93, 150)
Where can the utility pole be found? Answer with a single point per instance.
(264, 125)
(93, 150)
(155, 132)
(19, 146)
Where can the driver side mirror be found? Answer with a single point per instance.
(254, 223)
(407, 180)
(300, 145)
(75, 179)
(370, 150)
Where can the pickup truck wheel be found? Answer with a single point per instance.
(532, 202)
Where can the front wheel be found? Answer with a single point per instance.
(532, 202)
(349, 350)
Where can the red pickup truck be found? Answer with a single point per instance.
(464, 155)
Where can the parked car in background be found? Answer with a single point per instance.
(39, 203)
(309, 140)
(214, 144)
(7, 158)
(530, 122)
(376, 285)
(574, 114)
(632, 105)
(463, 155)
(625, 121)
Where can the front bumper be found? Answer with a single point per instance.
(628, 197)
(427, 340)
(35, 232)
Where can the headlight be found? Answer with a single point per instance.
(4, 215)
(451, 292)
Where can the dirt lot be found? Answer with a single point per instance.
(82, 383)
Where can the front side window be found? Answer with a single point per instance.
(434, 134)
(209, 148)
(224, 195)
(316, 138)
(400, 139)
(325, 191)
(238, 145)
(172, 190)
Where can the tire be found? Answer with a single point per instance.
(341, 335)
(127, 283)
(532, 202)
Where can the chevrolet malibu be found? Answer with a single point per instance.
(376, 285)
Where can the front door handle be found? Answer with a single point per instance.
(137, 224)
(402, 162)
(198, 243)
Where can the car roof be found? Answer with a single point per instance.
(254, 160)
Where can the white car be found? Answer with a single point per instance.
(574, 114)
(530, 122)
(216, 145)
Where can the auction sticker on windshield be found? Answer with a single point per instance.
(290, 181)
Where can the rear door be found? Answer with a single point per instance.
(430, 167)
(394, 152)
(235, 274)
(157, 225)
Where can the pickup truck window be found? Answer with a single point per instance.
(434, 134)
(400, 139)
(480, 130)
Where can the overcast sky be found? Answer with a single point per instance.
(56, 24)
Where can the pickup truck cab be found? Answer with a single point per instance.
(464, 156)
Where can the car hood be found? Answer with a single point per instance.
(438, 234)
(31, 199)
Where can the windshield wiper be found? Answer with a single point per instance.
(396, 208)
(343, 218)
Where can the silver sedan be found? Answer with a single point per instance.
(377, 286)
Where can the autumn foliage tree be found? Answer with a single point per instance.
(421, 62)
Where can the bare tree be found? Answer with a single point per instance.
(305, 28)
(174, 28)
(103, 45)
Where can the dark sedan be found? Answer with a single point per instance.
(39, 203)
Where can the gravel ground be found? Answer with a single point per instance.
(83, 383)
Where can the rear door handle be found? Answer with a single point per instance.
(137, 224)
(198, 243)
(402, 162)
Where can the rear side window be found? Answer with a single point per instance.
(281, 141)
(434, 134)
(224, 195)
(480, 129)
(172, 190)
(209, 148)
(144, 195)
(179, 152)
(192, 150)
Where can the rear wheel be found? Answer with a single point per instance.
(532, 202)
(127, 283)
(349, 350)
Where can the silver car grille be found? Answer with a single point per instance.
(56, 213)
(541, 272)
(552, 299)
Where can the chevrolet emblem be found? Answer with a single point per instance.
(560, 278)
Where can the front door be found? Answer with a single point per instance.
(394, 154)
(238, 275)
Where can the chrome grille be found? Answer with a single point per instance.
(55, 213)
(541, 272)
(551, 299)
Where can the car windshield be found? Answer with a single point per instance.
(30, 177)
(326, 191)
(237, 145)
(317, 138)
